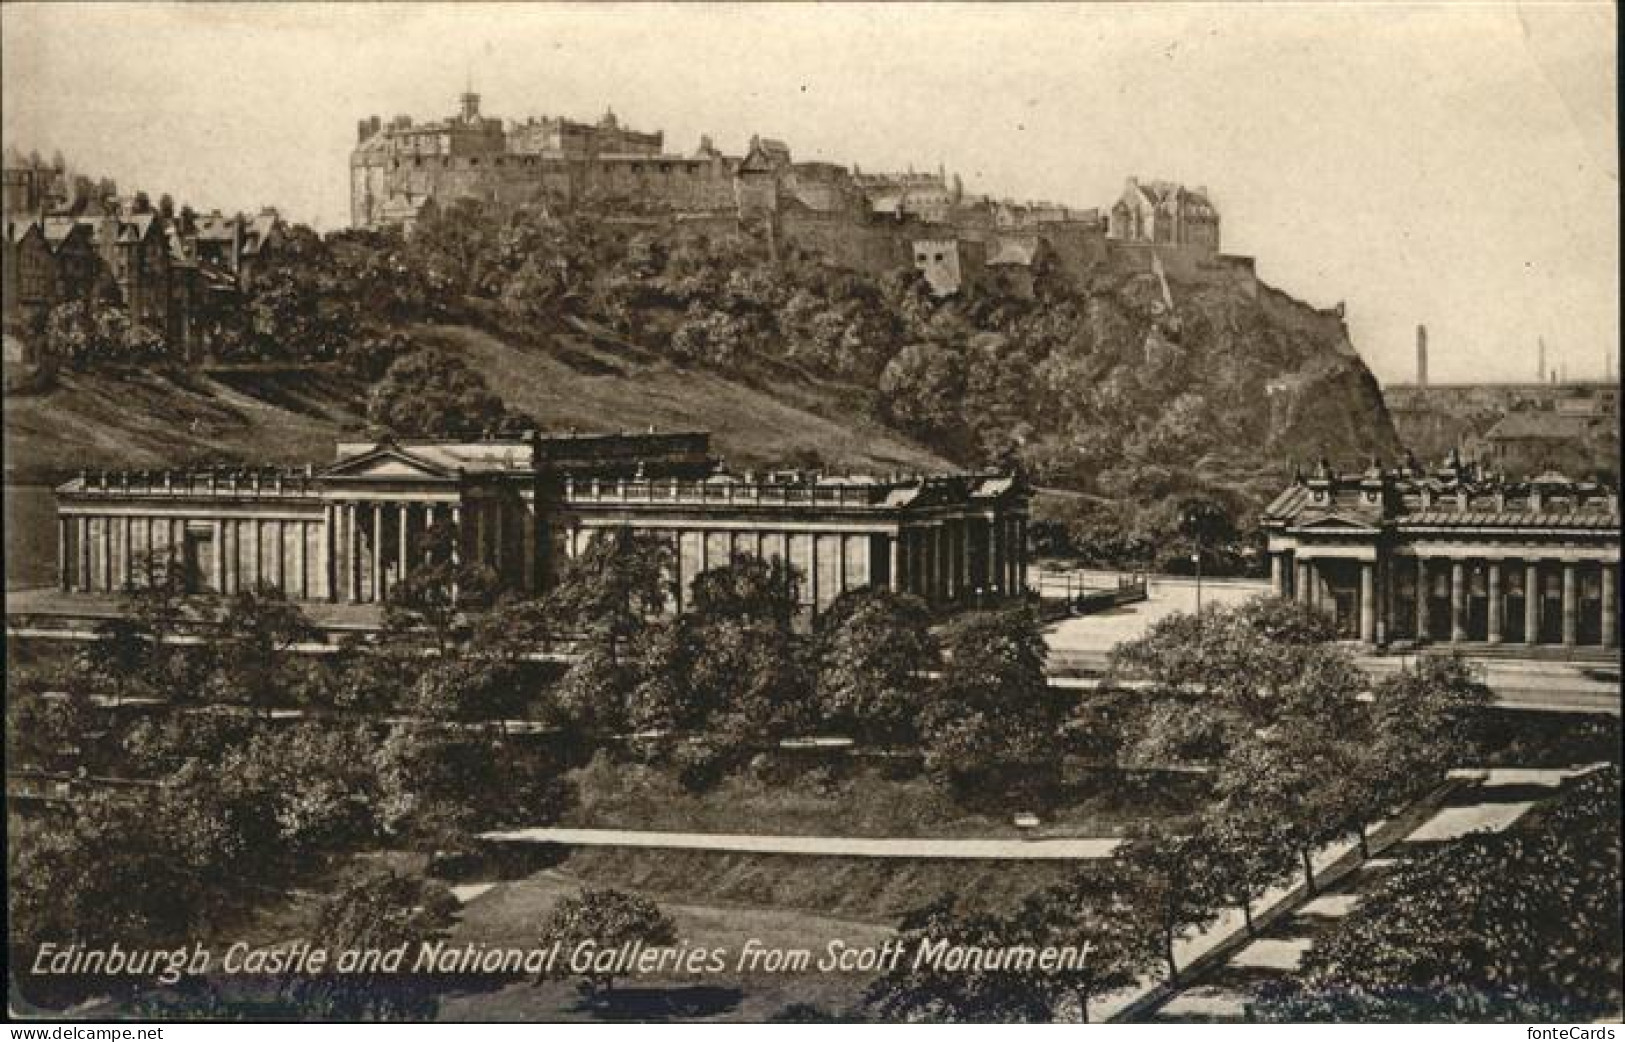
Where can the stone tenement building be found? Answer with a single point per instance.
(175, 279)
(1455, 557)
(349, 531)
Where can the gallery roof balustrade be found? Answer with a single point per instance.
(286, 482)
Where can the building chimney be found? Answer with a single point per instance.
(1421, 356)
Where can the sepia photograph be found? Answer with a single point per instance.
(811, 513)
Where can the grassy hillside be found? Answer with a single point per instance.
(570, 379)
(595, 383)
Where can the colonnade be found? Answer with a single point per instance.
(1494, 600)
(941, 561)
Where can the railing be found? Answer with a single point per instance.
(699, 492)
(192, 484)
(1072, 593)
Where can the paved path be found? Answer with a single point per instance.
(830, 846)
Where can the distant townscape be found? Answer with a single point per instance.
(1548, 423)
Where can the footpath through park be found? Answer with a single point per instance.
(1016, 849)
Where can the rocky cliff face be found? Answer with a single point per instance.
(1285, 375)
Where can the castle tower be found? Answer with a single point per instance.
(1421, 356)
(471, 106)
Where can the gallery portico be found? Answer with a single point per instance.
(1455, 557)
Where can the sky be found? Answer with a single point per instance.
(1453, 164)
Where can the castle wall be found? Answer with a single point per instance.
(1189, 263)
(873, 249)
(515, 180)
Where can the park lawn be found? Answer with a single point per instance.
(849, 800)
(512, 913)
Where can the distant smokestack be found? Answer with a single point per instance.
(1421, 356)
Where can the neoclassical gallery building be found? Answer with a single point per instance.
(1456, 556)
(347, 531)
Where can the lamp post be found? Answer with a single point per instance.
(1196, 559)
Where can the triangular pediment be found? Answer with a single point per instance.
(1336, 523)
(388, 462)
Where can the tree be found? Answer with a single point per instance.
(1248, 856)
(1175, 884)
(610, 590)
(993, 715)
(375, 911)
(932, 994)
(108, 874)
(923, 386)
(84, 335)
(429, 393)
(603, 919)
(256, 631)
(1423, 723)
(1521, 925)
(437, 594)
(159, 604)
(874, 645)
(1296, 784)
(1097, 906)
(747, 588)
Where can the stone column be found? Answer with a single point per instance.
(498, 557)
(329, 551)
(1458, 601)
(1300, 589)
(527, 549)
(1610, 607)
(1278, 574)
(64, 573)
(965, 583)
(1495, 634)
(127, 562)
(352, 553)
(995, 536)
(812, 571)
(1021, 554)
(404, 512)
(895, 560)
(218, 537)
(279, 557)
(457, 535)
(377, 591)
(301, 583)
(82, 551)
(1531, 602)
(1368, 602)
(1571, 604)
(255, 554)
(1421, 606)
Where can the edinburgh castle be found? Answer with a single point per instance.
(864, 220)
